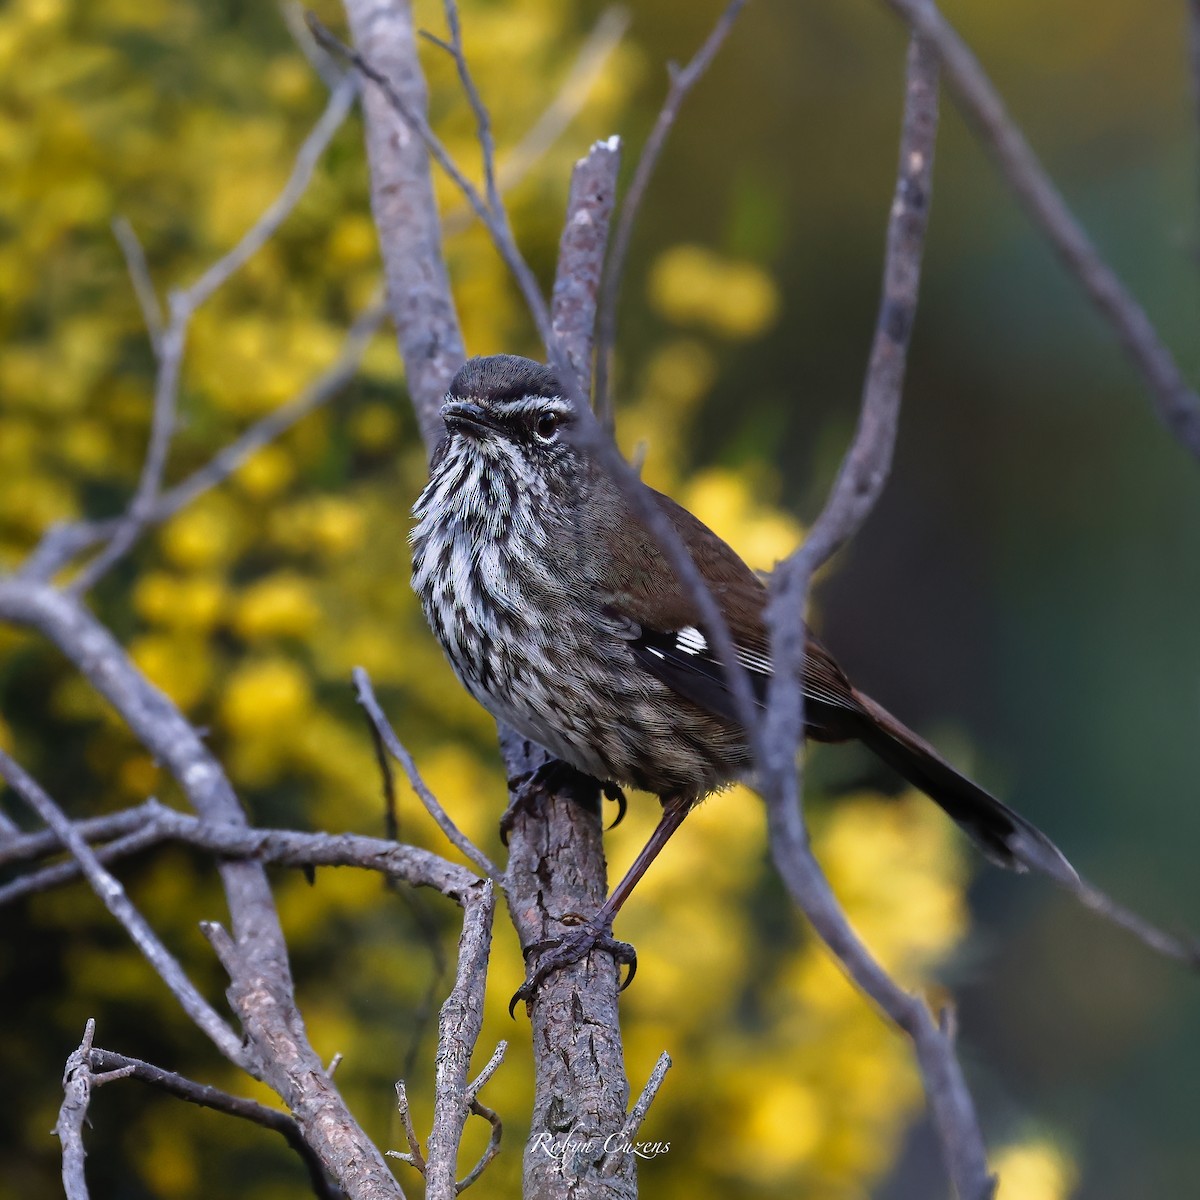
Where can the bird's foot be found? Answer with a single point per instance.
(558, 778)
(553, 954)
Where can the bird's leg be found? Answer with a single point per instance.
(559, 778)
(557, 953)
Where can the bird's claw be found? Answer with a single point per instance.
(613, 792)
(553, 954)
(552, 777)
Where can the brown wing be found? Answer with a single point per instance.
(674, 643)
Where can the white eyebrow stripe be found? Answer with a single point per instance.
(691, 641)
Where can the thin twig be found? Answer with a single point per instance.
(170, 341)
(120, 1066)
(366, 697)
(322, 63)
(139, 276)
(496, 220)
(637, 1114)
(414, 1157)
(490, 1150)
(1175, 402)
(483, 119)
(112, 894)
(46, 878)
(681, 83)
(24, 846)
(864, 469)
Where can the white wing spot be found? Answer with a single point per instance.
(691, 641)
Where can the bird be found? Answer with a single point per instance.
(562, 615)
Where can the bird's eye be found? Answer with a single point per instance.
(547, 426)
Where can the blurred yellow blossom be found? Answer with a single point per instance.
(264, 696)
(724, 500)
(375, 427)
(782, 1126)
(691, 285)
(266, 472)
(182, 667)
(1035, 1170)
(194, 602)
(139, 775)
(354, 241)
(281, 605)
(205, 534)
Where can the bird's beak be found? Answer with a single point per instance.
(463, 416)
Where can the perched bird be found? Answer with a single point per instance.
(562, 616)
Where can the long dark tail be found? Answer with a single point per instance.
(1003, 835)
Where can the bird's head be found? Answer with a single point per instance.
(513, 413)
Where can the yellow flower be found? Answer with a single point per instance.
(193, 603)
(203, 535)
(338, 525)
(182, 667)
(265, 473)
(354, 241)
(693, 286)
(722, 499)
(280, 605)
(782, 1127)
(265, 695)
(1035, 1170)
(374, 427)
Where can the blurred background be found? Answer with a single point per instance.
(1026, 594)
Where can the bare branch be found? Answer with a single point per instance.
(864, 469)
(139, 276)
(70, 870)
(263, 993)
(859, 483)
(77, 1094)
(581, 256)
(24, 846)
(120, 1066)
(490, 1068)
(169, 343)
(297, 26)
(459, 1023)
(490, 1150)
(681, 83)
(483, 119)
(1176, 403)
(495, 220)
(414, 1157)
(402, 201)
(366, 697)
(110, 891)
(637, 1114)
